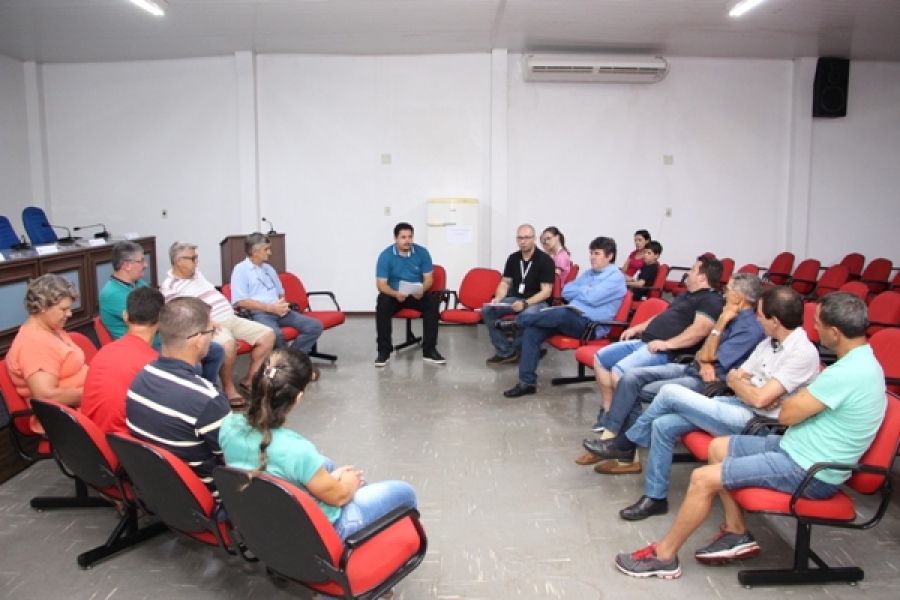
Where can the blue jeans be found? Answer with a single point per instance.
(371, 502)
(211, 363)
(676, 411)
(489, 314)
(310, 329)
(759, 461)
(642, 385)
(537, 326)
(630, 354)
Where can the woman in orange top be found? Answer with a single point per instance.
(43, 361)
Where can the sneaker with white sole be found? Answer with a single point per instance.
(382, 359)
(727, 547)
(434, 357)
(644, 563)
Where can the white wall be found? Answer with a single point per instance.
(15, 182)
(127, 140)
(588, 158)
(854, 190)
(324, 124)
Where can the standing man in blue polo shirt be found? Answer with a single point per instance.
(403, 276)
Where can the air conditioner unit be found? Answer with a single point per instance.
(596, 68)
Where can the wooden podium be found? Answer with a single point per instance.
(232, 249)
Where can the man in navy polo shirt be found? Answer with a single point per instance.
(403, 275)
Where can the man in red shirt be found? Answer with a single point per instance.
(116, 364)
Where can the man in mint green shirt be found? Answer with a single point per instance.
(833, 420)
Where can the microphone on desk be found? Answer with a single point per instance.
(271, 227)
(63, 240)
(102, 234)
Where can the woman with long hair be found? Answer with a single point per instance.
(258, 441)
(636, 259)
(554, 243)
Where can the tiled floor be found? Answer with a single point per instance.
(508, 513)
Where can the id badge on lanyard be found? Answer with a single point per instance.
(524, 273)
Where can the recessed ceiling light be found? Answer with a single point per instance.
(736, 8)
(154, 7)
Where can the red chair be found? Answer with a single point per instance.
(876, 275)
(17, 412)
(79, 444)
(830, 281)
(886, 347)
(895, 282)
(870, 476)
(573, 274)
(780, 269)
(438, 288)
(295, 292)
(655, 289)
(102, 332)
(727, 271)
(857, 288)
(171, 490)
(749, 268)
(854, 263)
(283, 526)
(86, 345)
(563, 342)
(476, 289)
(289, 333)
(884, 311)
(584, 355)
(804, 278)
(809, 322)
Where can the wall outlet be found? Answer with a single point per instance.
(165, 214)
(387, 211)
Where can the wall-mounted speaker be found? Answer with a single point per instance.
(830, 88)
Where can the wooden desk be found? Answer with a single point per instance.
(87, 267)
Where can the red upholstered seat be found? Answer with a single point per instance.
(876, 275)
(830, 281)
(584, 355)
(857, 288)
(884, 311)
(439, 289)
(698, 443)
(283, 526)
(20, 414)
(870, 476)
(81, 448)
(169, 488)
(886, 346)
(803, 279)
(779, 271)
(295, 292)
(854, 263)
(102, 332)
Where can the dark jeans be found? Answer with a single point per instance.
(385, 308)
(211, 363)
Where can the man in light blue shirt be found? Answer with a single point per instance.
(595, 296)
(256, 287)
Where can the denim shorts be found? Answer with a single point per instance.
(759, 461)
(630, 354)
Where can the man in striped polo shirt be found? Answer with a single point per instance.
(168, 404)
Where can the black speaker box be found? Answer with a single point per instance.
(830, 88)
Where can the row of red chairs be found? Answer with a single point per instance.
(268, 520)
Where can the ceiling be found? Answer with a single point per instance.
(52, 31)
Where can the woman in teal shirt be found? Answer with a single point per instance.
(258, 441)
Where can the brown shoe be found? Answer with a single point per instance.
(587, 458)
(615, 467)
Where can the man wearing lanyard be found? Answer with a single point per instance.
(527, 283)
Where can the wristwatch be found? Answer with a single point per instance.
(714, 332)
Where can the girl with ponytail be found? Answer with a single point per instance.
(258, 441)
